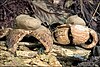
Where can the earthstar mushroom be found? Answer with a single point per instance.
(27, 25)
(79, 33)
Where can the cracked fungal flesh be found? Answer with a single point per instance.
(61, 35)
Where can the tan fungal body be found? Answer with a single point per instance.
(27, 22)
(79, 33)
(75, 30)
(75, 20)
(27, 25)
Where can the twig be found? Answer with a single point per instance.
(20, 43)
(7, 9)
(96, 9)
(81, 5)
(3, 3)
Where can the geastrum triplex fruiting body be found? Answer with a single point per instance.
(26, 25)
(80, 34)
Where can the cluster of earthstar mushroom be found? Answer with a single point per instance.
(79, 33)
(26, 25)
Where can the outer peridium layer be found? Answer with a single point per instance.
(81, 35)
(42, 34)
(94, 42)
(61, 35)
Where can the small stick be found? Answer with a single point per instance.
(96, 9)
(20, 43)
